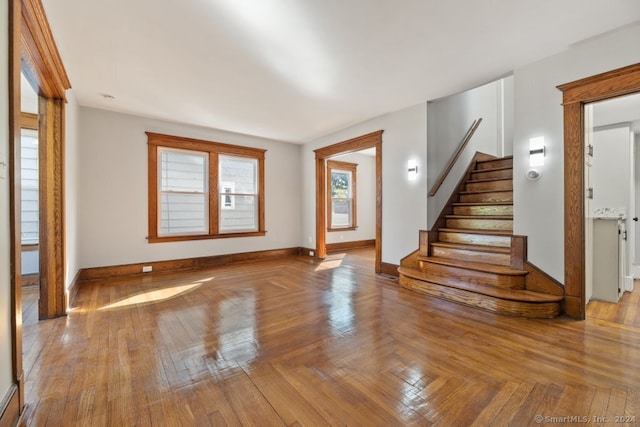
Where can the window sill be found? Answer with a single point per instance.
(329, 230)
(162, 239)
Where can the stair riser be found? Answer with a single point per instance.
(496, 305)
(481, 224)
(502, 185)
(447, 274)
(483, 210)
(475, 239)
(499, 196)
(475, 256)
(494, 164)
(491, 174)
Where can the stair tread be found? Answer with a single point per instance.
(497, 159)
(476, 231)
(504, 203)
(508, 217)
(476, 248)
(485, 191)
(476, 266)
(475, 181)
(489, 290)
(492, 170)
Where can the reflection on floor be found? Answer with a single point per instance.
(284, 342)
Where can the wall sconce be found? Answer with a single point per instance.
(536, 151)
(413, 170)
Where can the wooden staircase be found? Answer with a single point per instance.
(471, 255)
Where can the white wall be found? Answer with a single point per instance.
(611, 175)
(404, 209)
(112, 192)
(611, 172)
(71, 184)
(449, 120)
(539, 205)
(365, 198)
(6, 365)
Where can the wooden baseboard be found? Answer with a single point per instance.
(10, 408)
(73, 289)
(389, 269)
(307, 252)
(30, 280)
(183, 264)
(343, 246)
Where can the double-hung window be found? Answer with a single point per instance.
(341, 206)
(204, 190)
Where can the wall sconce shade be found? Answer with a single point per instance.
(536, 151)
(412, 173)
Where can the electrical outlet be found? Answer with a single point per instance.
(312, 253)
(3, 169)
(147, 269)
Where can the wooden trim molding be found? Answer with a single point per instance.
(10, 407)
(53, 296)
(45, 69)
(30, 280)
(73, 289)
(389, 269)
(370, 140)
(97, 273)
(16, 402)
(28, 121)
(214, 149)
(575, 95)
(343, 246)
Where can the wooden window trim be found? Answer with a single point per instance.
(155, 140)
(351, 167)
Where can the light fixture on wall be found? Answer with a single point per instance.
(536, 158)
(413, 170)
(536, 151)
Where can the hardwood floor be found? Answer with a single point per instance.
(300, 342)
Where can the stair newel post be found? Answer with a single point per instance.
(423, 248)
(518, 252)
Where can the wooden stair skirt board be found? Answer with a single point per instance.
(471, 256)
(522, 303)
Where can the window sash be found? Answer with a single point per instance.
(178, 210)
(242, 213)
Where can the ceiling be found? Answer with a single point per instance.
(296, 70)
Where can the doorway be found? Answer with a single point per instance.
(612, 130)
(369, 141)
(576, 95)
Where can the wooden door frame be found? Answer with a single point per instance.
(32, 50)
(623, 81)
(370, 140)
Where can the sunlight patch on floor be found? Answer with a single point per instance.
(330, 262)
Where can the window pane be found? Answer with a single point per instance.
(239, 173)
(243, 216)
(341, 212)
(238, 194)
(183, 192)
(183, 213)
(341, 184)
(183, 171)
(29, 184)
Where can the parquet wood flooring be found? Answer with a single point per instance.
(296, 342)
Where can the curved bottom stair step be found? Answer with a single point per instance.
(514, 302)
